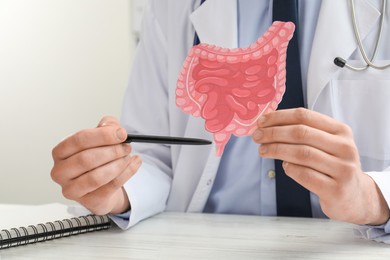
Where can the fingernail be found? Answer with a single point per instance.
(261, 120)
(121, 134)
(136, 161)
(263, 149)
(127, 148)
(258, 134)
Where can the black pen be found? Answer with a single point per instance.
(155, 139)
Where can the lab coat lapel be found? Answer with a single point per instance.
(215, 23)
(335, 38)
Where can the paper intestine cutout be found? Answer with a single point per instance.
(231, 88)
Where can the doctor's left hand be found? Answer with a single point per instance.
(320, 154)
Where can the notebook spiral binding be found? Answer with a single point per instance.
(52, 230)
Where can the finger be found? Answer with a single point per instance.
(108, 121)
(88, 160)
(87, 139)
(302, 134)
(305, 117)
(307, 156)
(312, 180)
(95, 199)
(92, 180)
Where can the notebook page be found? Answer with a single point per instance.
(15, 216)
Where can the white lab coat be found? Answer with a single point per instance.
(179, 178)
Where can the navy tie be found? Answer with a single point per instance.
(292, 199)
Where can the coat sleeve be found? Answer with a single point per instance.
(382, 179)
(145, 111)
(379, 233)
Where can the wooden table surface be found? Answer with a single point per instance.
(211, 236)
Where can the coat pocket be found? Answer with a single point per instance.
(364, 104)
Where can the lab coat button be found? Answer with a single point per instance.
(209, 182)
(271, 174)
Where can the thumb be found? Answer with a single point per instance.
(108, 121)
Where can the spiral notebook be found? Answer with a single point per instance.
(22, 224)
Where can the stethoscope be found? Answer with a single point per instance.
(369, 62)
(342, 62)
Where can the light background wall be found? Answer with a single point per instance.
(64, 64)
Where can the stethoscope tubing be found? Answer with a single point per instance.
(342, 62)
(369, 61)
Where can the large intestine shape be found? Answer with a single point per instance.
(231, 88)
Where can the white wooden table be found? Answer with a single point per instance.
(206, 236)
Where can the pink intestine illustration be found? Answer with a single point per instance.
(231, 88)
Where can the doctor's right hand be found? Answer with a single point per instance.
(92, 166)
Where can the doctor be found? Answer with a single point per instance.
(338, 148)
